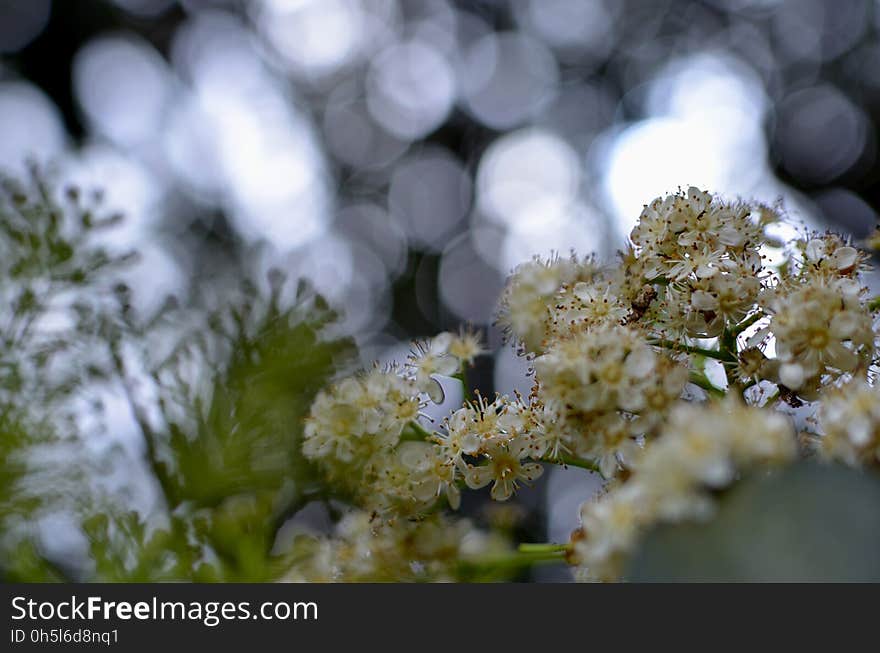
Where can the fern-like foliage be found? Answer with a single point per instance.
(218, 386)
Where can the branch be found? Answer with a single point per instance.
(704, 383)
(565, 460)
(143, 423)
(746, 323)
(708, 353)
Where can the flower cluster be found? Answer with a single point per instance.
(828, 255)
(365, 549)
(529, 296)
(820, 324)
(445, 354)
(618, 353)
(366, 433)
(702, 448)
(606, 387)
(849, 418)
(704, 256)
(499, 437)
(822, 330)
(352, 421)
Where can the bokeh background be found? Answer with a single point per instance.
(405, 155)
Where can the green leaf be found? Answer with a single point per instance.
(248, 439)
(805, 523)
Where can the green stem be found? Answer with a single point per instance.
(708, 353)
(746, 323)
(157, 467)
(461, 375)
(727, 344)
(513, 560)
(415, 432)
(545, 547)
(704, 383)
(573, 461)
(874, 304)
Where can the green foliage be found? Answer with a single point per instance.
(124, 549)
(52, 269)
(221, 410)
(236, 464)
(248, 438)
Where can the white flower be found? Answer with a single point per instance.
(430, 358)
(829, 255)
(505, 468)
(466, 346)
(821, 327)
(609, 529)
(530, 291)
(849, 418)
(478, 425)
(431, 474)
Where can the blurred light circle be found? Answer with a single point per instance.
(435, 25)
(654, 157)
(284, 224)
(254, 151)
(819, 30)
(270, 156)
(214, 50)
(724, 87)
(468, 286)
(190, 148)
(798, 28)
(487, 238)
(121, 83)
(129, 188)
(21, 21)
(705, 128)
(507, 78)
(372, 227)
(820, 133)
(429, 196)
(327, 262)
(753, 45)
(557, 229)
(366, 301)
(354, 138)
(579, 112)
(583, 26)
(844, 209)
(469, 28)
(271, 163)
(410, 89)
(312, 37)
(348, 275)
(522, 169)
(30, 126)
(367, 310)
